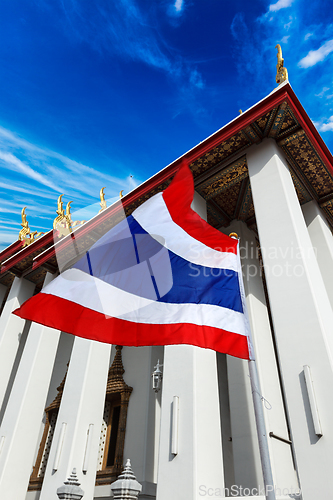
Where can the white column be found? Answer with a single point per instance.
(322, 241)
(190, 373)
(81, 410)
(142, 415)
(22, 420)
(244, 433)
(302, 314)
(11, 328)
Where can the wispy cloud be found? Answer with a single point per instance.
(176, 8)
(7, 237)
(52, 169)
(34, 176)
(323, 92)
(130, 32)
(325, 126)
(249, 51)
(179, 5)
(315, 56)
(21, 187)
(280, 4)
(9, 161)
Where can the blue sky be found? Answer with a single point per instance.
(100, 93)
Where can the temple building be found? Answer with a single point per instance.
(69, 403)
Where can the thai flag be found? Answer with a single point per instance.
(161, 276)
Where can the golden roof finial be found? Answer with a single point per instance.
(63, 223)
(25, 225)
(68, 216)
(60, 211)
(68, 209)
(103, 202)
(25, 234)
(281, 71)
(240, 111)
(121, 194)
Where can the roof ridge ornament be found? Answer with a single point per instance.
(63, 222)
(281, 71)
(103, 202)
(25, 234)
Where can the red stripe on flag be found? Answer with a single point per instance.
(67, 316)
(178, 198)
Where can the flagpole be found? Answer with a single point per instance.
(259, 414)
(261, 431)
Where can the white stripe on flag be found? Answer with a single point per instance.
(90, 292)
(154, 217)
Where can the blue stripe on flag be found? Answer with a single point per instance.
(160, 275)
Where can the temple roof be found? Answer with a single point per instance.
(220, 175)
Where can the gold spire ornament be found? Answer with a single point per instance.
(121, 194)
(103, 202)
(63, 223)
(281, 71)
(68, 216)
(60, 211)
(25, 234)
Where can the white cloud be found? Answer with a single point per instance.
(308, 35)
(315, 56)
(13, 163)
(130, 31)
(321, 94)
(179, 5)
(285, 39)
(328, 126)
(25, 188)
(12, 223)
(325, 127)
(53, 170)
(9, 237)
(287, 25)
(281, 4)
(196, 79)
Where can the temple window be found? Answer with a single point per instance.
(112, 438)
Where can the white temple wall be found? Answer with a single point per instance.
(21, 422)
(59, 370)
(190, 460)
(23, 339)
(199, 205)
(301, 313)
(11, 329)
(322, 241)
(224, 400)
(243, 422)
(142, 429)
(81, 406)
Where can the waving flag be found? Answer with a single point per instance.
(161, 276)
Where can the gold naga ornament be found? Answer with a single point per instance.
(63, 223)
(281, 71)
(25, 234)
(103, 202)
